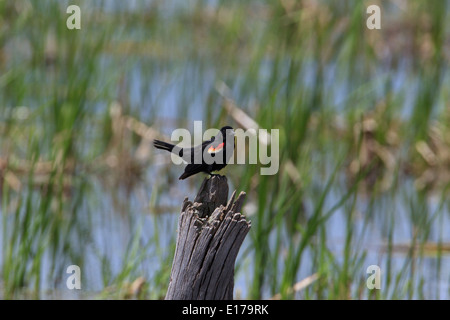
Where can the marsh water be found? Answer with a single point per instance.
(119, 223)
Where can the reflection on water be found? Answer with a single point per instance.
(122, 233)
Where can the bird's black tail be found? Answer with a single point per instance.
(163, 145)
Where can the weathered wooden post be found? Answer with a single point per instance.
(210, 233)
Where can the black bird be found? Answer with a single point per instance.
(211, 155)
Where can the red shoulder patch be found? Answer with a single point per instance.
(218, 148)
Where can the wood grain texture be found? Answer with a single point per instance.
(210, 233)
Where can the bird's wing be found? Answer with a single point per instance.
(191, 169)
(214, 145)
(208, 142)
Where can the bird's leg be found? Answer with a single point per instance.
(213, 175)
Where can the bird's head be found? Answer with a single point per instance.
(227, 131)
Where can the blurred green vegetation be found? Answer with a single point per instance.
(364, 120)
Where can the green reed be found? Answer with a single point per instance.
(352, 141)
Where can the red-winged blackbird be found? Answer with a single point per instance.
(211, 155)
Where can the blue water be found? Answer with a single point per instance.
(114, 220)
